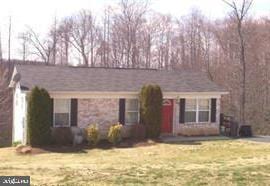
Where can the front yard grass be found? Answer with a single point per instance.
(228, 162)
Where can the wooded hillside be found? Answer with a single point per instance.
(5, 104)
(233, 51)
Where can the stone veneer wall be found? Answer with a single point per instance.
(103, 112)
(195, 129)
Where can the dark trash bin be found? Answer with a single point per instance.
(245, 131)
(234, 129)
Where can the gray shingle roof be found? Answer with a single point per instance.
(59, 78)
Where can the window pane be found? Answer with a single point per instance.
(132, 107)
(203, 116)
(61, 112)
(61, 119)
(190, 104)
(61, 105)
(203, 104)
(131, 118)
(190, 116)
(132, 104)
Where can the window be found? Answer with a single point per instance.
(190, 113)
(197, 110)
(204, 110)
(61, 112)
(132, 111)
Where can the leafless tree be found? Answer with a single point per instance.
(9, 38)
(164, 41)
(41, 48)
(239, 15)
(83, 35)
(127, 25)
(54, 36)
(1, 52)
(104, 39)
(24, 42)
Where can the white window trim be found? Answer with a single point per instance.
(69, 113)
(197, 110)
(132, 111)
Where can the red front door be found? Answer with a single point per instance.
(167, 116)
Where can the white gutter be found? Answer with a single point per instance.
(121, 94)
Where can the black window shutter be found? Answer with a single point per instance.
(182, 105)
(213, 109)
(122, 110)
(52, 106)
(74, 112)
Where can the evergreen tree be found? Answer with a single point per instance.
(151, 109)
(39, 117)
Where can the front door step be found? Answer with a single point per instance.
(166, 135)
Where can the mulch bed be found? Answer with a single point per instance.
(104, 144)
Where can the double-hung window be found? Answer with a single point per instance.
(61, 112)
(191, 110)
(203, 110)
(197, 110)
(132, 111)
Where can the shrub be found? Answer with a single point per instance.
(62, 136)
(267, 115)
(92, 134)
(16, 143)
(39, 117)
(114, 135)
(138, 132)
(151, 109)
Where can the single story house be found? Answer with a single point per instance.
(83, 96)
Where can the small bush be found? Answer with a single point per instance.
(92, 134)
(62, 136)
(114, 135)
(16, 143)
(138, 132)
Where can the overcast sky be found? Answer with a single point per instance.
(39, 14)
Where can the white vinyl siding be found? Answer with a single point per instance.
(19, 116)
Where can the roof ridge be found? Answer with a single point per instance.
(31, 63)
(117, 68)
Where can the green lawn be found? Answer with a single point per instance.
(201, 163)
